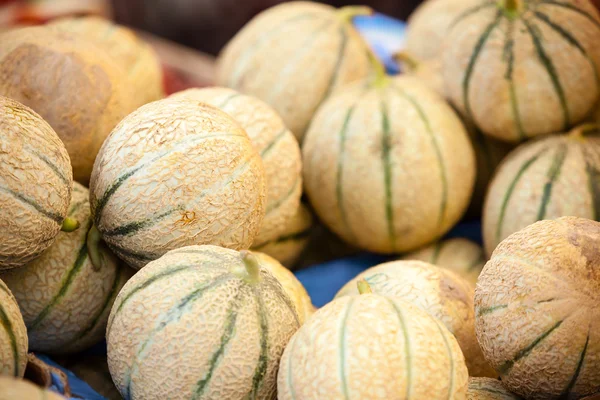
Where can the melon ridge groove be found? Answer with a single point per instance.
(25, 200)
(53, 167)
(594, 184)
(573, 381)
(572, 8)
(340, 169)
(408, 353)
(470, 12)
(509, 52)
(450, 356)
(263, 358)
(338, 64)
(281, 294)
(289, 194)
(553, 174)
(386, 148)
(267, 150)
(436, 252)
(342, 343)
(8, 328)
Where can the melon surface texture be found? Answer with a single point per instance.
(13, 335)
(13, 389)
(488, 389)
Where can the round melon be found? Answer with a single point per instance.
(72, 84)
(293, 56)
(277, 147)
(488, 389)
(135, 57)
(64, 299)
(13, 389)
(287, 247)
(176, 173)
(545, 179)
(13, 335)
(200, 322)
(524, 68)
(459, 255)
(388, 165)
(35, 184)
(372, 347)
(537, 314)
(439, 292)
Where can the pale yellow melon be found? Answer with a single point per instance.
(18, 389)
(459, 255)
(292, 56)
(176, 173)
(65, 301)
(372, 347)
(388, 165)
(277, 147)
(200, 322)
(440, 292)
(537, 314)
(13, 335)
(135, 57)
(72, 84)
(35, 184)
(488, 389)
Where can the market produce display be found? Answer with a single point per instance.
(13, 335)
(488, 389)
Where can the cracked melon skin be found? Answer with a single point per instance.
(488, 389)
(65, 301)
(176, 173)
(277, 147)
(524, 68)
(536, 307)
(12, 389)
(35, 184)
(388, 166)
(200, 322)
(292, 56)
(372, 347)
(439, 292)
(13, 335)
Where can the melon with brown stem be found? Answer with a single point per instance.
(13, 335)
(13, 389)
(488, 389)
(536, 306)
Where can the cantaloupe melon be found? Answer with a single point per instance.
(372, 347)
(536, 307)
(388, 165)
(13, 335)
(460, 255)
(35, 184)
(488, 389)
(64, 299)
(545, 179)
(277, 147)
(72, 84)
(524, 68)
(200, 322)
(287, 247)
(136, 58)
(293, 56)
(176, 173)
(13, 389)
(441, 293)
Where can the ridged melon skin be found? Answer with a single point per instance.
(439, 292)
(72, 84)
(459, 255)
(388, 168)
(293, 240)
(277, 147)
(292, 56)
(12, 389)
(190, 325)
(176, 173)
(35, 184)
(537, 315)
(134, 56)
(488, 389)
(545, 179)
(13, 335)
(372, 347)
(529, 73)
(65, 301)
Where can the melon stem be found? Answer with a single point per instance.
(363, 287)
(252, 266)
(94, 244)
(404, 58)
(69, 225)
(579, 131)
(347, 13)
(513, 7)
(380, 75)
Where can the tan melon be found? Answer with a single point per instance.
(523, 68)
(545, 179)
(292, 56)
(277, 147)
(440, 292)
(459, 255)
(134, 56)
(200, 322)
(488, 389)
(176, 173)
(13, 389)
(388, 165)
(13, 335)
(372, 347)
(35, 184)
(72, 84)
(65, 301)
(537, 315)
(287, 247)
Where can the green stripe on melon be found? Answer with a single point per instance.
(13, 335)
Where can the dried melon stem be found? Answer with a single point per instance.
(404, 58)
(512, 7)
(347, 13)
(252, 273)
(363, 287)
(580, 131)
(94, 247)
(69, 225)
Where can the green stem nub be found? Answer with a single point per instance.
(349, 12)
(94, 246)
(363, 286)
(69, 225)
(409, 62)
(583, 129)
(252, 266)
(513, 7)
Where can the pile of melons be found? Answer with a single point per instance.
(162, 223)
